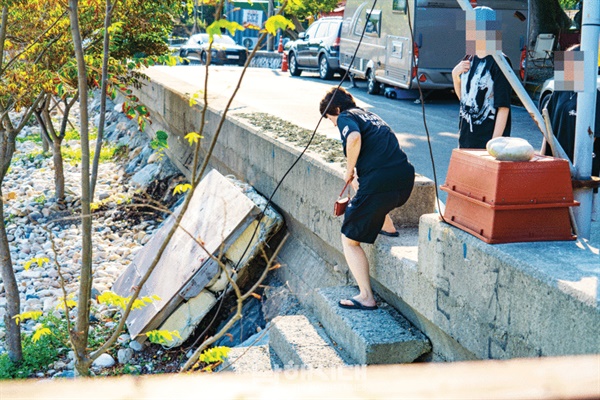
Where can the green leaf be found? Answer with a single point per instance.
(215, 28)
(42, 331)
(36, 260)
(214, 354)
(34, 315)
(162, 336)
(278, 22)
(182, 188)
(193, 137)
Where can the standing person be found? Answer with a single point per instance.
(385, 181)
(481, 87)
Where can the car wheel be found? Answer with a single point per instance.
(373, 85)
(203, 58)
(393, 95)
(325, 72)
(293, 65)
(183, 54)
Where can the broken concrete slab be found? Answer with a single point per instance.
(217, 214)
(381, 336)
(298, 345)
(187, 317)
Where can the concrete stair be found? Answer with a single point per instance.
(252, 359)
(381, 336)
(298, 344)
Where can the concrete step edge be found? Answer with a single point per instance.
(298, 344)
(382, 336)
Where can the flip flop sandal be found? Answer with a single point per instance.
(357, 305)
(390, 234)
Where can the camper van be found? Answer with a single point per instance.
(406, 40)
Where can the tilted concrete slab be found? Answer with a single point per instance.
(298, 345)
(217, 211)
(380, 336)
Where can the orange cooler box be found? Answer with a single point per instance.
(504, 201)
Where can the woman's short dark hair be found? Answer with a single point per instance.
(335, 101)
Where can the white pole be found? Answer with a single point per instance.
(586, 110)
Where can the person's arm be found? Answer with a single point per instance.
(353, 144)
(501, 120)
(460, 68)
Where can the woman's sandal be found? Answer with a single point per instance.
(357, 305)
(390, 234)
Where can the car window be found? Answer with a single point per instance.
(322, 30)
(310, 32)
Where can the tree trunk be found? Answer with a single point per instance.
(59, 175)
(13, 303)
(79, 338)
(547, 16)
(103, 87)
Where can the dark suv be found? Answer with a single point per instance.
(317, 49)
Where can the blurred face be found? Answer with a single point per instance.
(568, 70)
(483, 37)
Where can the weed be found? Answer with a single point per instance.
(37, 356)
(41, 199)
(29, 138)
(73, 155)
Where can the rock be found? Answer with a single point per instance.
(124, 338)
(154, 158)
(145, 176)
(65, 374)
(104, 361)
(124, 355)
(510, 149)
(136, 346)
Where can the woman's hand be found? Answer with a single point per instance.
(349, 175)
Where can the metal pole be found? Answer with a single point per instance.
(586, 110)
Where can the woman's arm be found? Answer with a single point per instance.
(353, 143)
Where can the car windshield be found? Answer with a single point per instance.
(223, 39)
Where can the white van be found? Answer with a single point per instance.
(386, 53)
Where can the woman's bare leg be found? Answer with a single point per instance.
(359, 266)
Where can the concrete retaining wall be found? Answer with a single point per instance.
(307, 194)
(509, 300)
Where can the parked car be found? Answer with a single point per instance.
(224, 50)
(317, 49)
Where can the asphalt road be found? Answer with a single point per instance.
(296, 99)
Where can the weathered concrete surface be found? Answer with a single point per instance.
(298, 345)
(509, 300)
(380, 336)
